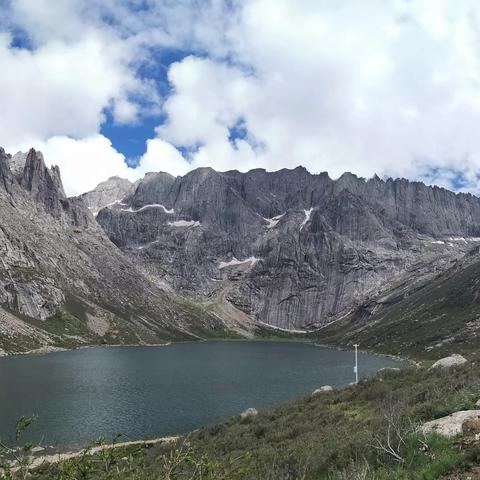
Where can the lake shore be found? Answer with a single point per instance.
(294, 336)
(294, 339)
(52, 349)
(38, 461)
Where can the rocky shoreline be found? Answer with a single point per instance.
(40, 460)
(52, 349)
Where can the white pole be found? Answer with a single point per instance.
(355, 368)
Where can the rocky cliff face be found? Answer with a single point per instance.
(63, 282)
(288, 248)
(430, 318)
(107, 193)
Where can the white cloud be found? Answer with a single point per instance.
(162, 156)
(84, 163)
(62, 89)
(387, 86)
(384, 87)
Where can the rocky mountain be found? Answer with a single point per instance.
(107, 193)
(221, 253)
(64, 283)
(429, 318)
(290, 249)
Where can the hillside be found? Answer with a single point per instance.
(423, 319)
(387, 264)
(63, 283)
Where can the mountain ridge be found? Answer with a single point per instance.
(216, 253)
(62, 281)
(295, 225)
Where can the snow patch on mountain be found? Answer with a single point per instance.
(308, 213)
(185, 223)
(145, 207)
(234, 261)
(272, 222)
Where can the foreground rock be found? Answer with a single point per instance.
(249, 413)
(451, 425)
(451, 361)
(324, 389)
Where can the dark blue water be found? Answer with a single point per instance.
(147, 392)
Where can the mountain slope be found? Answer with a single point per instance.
(424, 319)
(287, 248)
(63, 283)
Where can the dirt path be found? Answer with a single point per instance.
(233, 317)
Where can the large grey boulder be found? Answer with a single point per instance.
(324, 389)
(249, 413)
(451, 425)
(37, 449)
(451, 361)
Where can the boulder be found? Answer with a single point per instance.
(471, 425)
(249, 413)
(325, 388)
(451, 425)
(451, 361)
(37, 449)
(477, 403)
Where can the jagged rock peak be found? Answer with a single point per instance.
(44, 185)
(153, 188)
(116, 178)
(202, 173)
(30, 170)
(17, 162)
(347, 178)
(5, 175)
(4, 159)
(41, 181)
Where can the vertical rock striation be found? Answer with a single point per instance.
(289, 248)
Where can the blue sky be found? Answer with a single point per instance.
(115, 87)
(130, 139)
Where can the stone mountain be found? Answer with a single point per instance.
(64, 283)
(289, 249)
(228, 253)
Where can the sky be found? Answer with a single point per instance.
(124, 87)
